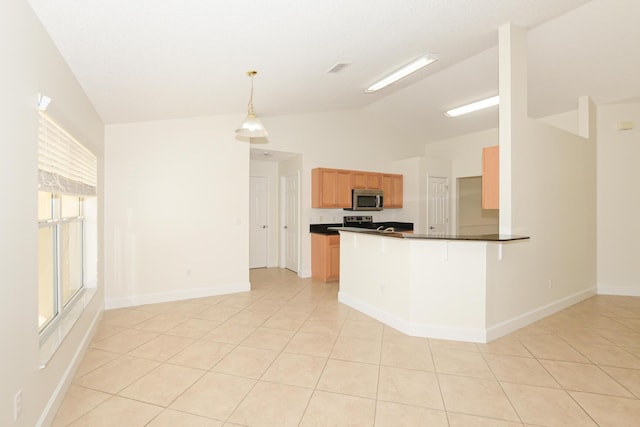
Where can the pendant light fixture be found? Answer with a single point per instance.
(251, 127)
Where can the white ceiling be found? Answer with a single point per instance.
(159, 59)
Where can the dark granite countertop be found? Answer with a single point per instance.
(399, 234)
(329, 229)
(324, 228)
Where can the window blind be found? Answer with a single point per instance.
(64, 165)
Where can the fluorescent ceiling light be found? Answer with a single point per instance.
(403, 72)
(474, 106)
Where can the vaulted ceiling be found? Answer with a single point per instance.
(148, 59)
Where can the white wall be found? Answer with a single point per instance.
(31, 64)
(567, 121)
(618, 200)
(618, 235)
(553, 202)
(176, 223)
(177, 196)
(551, 197)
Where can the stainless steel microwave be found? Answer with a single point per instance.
(366, 200)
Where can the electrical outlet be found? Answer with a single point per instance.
(550, 283)
(188, 271)
(17, 405)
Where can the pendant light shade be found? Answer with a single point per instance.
(251, 127)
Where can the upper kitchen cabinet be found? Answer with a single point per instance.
(331, 188)
(367, 180)
(491, 177)
(392, 188)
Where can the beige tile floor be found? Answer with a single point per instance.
(288, 354)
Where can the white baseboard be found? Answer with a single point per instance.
(180, 295)
(628, 291)
(414, 329)
(515, 323)
(465, 334)
(304, 274)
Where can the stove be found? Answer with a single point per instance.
(359, 221)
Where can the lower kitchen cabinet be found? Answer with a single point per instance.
(325, 256)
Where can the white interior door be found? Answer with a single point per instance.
(290, 226)
(438, 205)
(258, 224)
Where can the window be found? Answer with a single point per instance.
(60, 241)
(67, 187)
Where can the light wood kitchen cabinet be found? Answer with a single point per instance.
(331, 188)
(370, 180)
(325, 256)
(392, 187)
(491, 177)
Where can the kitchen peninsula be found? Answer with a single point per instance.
(325, 243)
(423, 285)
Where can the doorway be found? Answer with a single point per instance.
(274, 212)
(437, 205)
(471, 218)
(258, 222)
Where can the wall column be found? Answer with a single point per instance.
(512, 73)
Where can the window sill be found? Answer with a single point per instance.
(51, 341)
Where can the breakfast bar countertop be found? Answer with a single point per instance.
(479, 238)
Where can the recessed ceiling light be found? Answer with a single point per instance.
(403, 72)
(474, 106)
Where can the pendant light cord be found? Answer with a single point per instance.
(250, 106)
